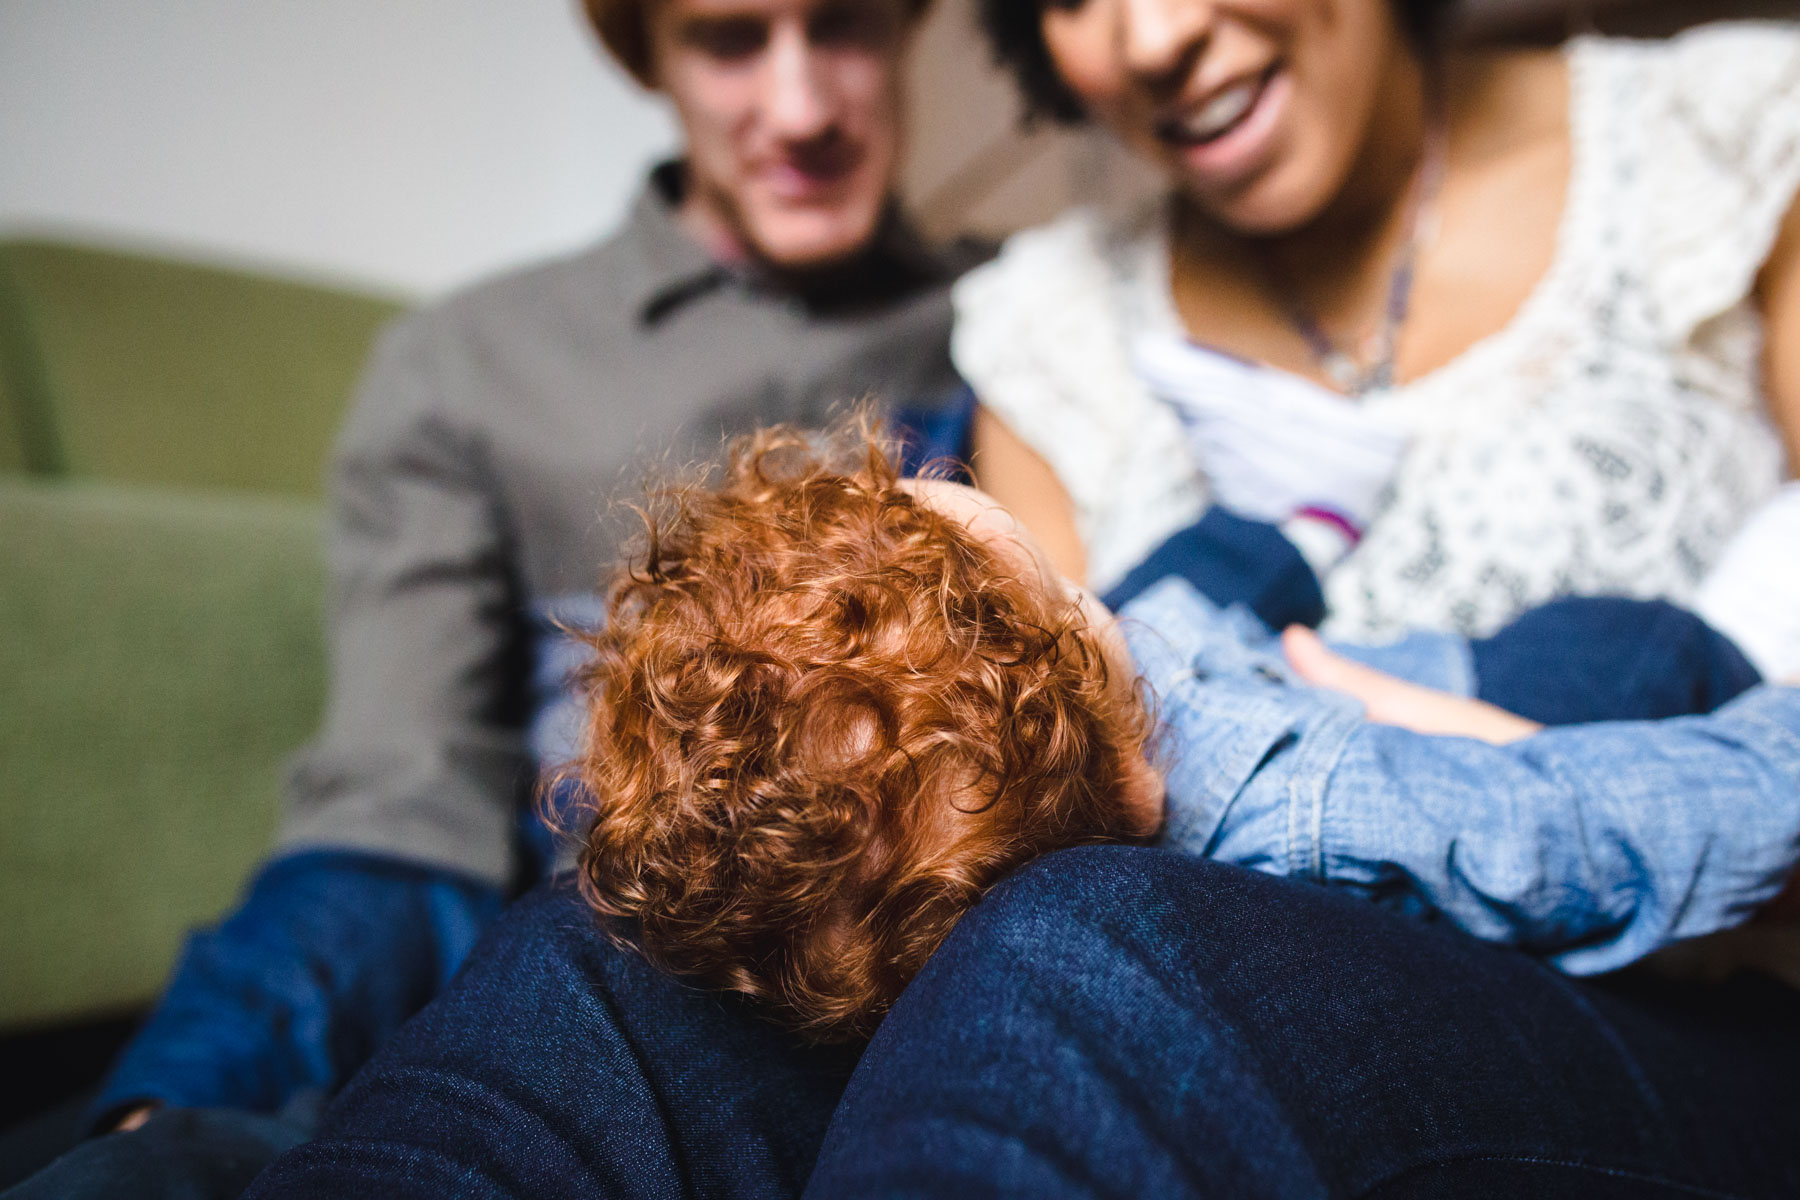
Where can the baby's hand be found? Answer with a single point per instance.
(1390, 701)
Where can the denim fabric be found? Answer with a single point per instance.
(182, 1154)
(1605, 658)
(1573, 660)
(1593, 845)
(937, 435)
(558, 1066)
(1232, 560)
(1123, 1022)
(1577, 660)
(1444, 661)
(325, 958)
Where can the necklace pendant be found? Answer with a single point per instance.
(1344, 371)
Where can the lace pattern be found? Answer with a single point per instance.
(1606, 440)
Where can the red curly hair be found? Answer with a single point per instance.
(823, 718)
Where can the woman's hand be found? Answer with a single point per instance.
(1390, 701)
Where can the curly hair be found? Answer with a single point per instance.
(823, 718)
(1015, 33)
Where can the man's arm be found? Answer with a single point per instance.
(411, 783)
(327, 955)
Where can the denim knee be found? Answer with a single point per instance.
(1609, 658)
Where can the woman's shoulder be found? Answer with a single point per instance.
(1718, 83)
(1077, 249)
(1050, 308)
(1722, 57)
(1687, 156)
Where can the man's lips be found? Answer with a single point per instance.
(808, 176)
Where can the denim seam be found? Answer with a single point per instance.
(1538, 1160)
(683, 1171)
(1297, 1118)
(1316, 758)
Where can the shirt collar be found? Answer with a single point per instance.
(670, 267)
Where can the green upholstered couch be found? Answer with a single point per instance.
(163, 431)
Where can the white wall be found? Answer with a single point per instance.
(411, 144)
(416, 144)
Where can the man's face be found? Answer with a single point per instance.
(792, 114)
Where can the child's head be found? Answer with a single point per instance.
(828, 710)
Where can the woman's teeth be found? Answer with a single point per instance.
(1217, 117)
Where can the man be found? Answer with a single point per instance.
(765, 276)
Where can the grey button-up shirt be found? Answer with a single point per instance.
(476, 477)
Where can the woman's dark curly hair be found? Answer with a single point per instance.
(822, 719)
(1015, 31)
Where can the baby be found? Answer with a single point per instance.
(829, 708)
(827, 711)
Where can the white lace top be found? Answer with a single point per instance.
(1606, 440)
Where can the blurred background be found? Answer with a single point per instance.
(413, 145)
(207, 207)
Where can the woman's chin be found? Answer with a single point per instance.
(1268, 206)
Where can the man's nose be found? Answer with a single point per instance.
(1159, 38)
(797, 99)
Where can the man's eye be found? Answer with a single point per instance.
(730, 40)
(851, 25)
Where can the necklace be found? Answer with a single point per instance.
(1375, 372)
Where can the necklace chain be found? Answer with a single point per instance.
(1376, 371)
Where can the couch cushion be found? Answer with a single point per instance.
(147, 370)
(160, 655)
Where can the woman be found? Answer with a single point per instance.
(1564, 281)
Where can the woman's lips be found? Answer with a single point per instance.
(1225, 140)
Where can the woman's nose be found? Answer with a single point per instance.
(1159, 38)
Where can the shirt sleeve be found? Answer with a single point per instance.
(328, 954)
(422, 753)
(1245, 751)
(1592, 845)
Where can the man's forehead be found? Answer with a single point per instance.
(766, 9)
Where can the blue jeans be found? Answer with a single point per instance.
(556, 1066)
(1110, 1021)
(183, 1154)
(1121, 1022)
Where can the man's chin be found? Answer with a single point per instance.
(810, 241)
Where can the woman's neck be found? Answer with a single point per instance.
(1363, 223)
